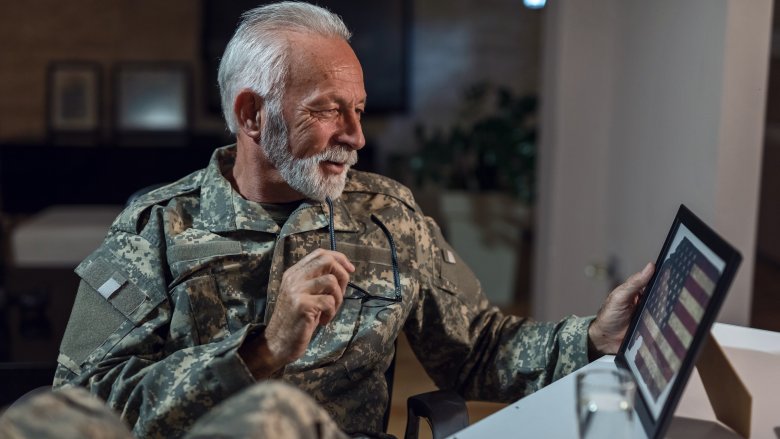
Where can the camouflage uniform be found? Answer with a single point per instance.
(270, 409)
(189, 270)
(68, 414)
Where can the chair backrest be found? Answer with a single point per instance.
(445, 411)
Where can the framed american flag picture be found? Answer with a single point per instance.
(693, 273)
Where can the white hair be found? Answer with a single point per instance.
(256, 56)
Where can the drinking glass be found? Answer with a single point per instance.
(605, 403)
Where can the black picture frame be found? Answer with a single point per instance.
(656, 426)
(74, 102)
(152, 103)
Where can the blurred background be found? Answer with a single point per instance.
(553, 143)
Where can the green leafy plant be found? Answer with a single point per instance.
(491, 147)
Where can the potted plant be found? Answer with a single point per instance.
(490, 148)
(482, 169)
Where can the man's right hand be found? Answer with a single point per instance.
(311, 294)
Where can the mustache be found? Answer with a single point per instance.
(338, 154)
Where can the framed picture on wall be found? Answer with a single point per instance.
(152, 103)
(74, 101)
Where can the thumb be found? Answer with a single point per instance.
(639, 280)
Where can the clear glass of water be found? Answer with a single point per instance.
(605, 403)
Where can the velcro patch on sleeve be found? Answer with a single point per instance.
(449, 256)
(188, 252)
(111, 285)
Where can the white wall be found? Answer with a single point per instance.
(576, 111)
(741, 143)
(684, 125)
(665, 142)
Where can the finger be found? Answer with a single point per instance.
(638, 296)
(330, 264)
(319, 253)
(321, 261)
(329, 285)
(638, 280)
(343, 260)
(317, 302)
(341, 275)
(340, 289)
(311, 256)
(327, 307)
(628, 293)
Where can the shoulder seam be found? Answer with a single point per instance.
(391, 188)
(130, 216)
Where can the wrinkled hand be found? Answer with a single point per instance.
(310, 294)
(606, 332)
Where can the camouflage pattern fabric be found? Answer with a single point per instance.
(270, 409)
(70, 413)
(187, 271)
(267, 410)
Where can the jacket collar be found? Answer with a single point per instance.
(225, 210)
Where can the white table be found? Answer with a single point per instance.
(550, 412)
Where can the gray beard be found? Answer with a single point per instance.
(303, 175)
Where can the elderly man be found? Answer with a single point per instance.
(277, 263)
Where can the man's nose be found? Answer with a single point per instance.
(352, 131)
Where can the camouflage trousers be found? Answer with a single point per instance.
(265, 410)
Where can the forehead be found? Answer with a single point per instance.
(315, 60)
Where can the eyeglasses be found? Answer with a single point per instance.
(362, 294)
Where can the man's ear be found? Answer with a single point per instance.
(247, 108)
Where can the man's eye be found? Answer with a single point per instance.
(327, 113)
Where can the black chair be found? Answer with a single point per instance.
(444, 410)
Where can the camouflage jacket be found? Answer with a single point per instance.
(187, 271)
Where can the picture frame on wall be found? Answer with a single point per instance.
(152, 103)
(74, 102)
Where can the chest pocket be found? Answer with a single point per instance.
(211, 287)
(361, 321)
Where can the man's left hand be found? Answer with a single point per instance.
(606, 332)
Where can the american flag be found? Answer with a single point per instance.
(684, 287)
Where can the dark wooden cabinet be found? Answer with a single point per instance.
(33, 177)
